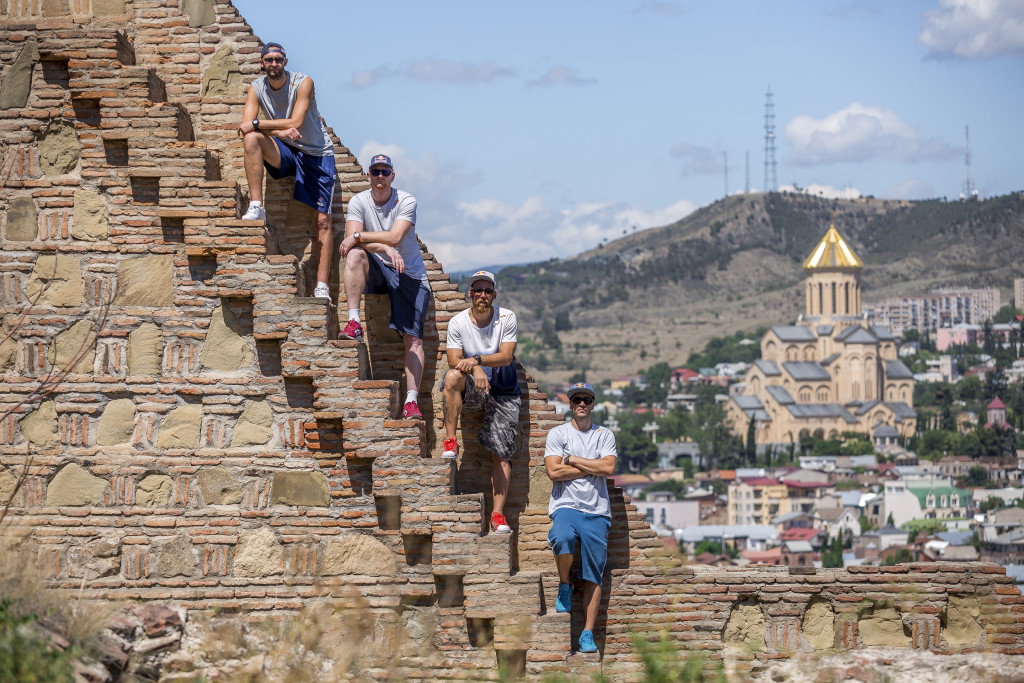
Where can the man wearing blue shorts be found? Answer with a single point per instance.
(293, 142)
(579, 457)
(382, 255)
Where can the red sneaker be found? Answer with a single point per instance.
(411, 410)
(451, 449)
(499, 524)
(352, 331)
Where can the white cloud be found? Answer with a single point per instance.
(561, 75)
(974, 29)
(912, 188)
(859, 133)
(468, 234)
(666, 9)
(697, 160)
(433, 70)
(826, 191)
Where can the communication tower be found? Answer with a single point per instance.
(746, 186)
(770, 180)
(969, 191)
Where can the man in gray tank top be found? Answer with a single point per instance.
(291, 141)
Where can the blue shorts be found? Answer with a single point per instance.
(591, 531)
(410, 298)
(314, 176)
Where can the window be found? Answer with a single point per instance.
(662, 515)
(649, 516)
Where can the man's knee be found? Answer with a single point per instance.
(356, 258)
(323, 223)
(562, 539)
(454, 381)
(253, 142)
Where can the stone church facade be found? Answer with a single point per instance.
(830, 372)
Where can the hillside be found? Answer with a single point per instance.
(659, 294)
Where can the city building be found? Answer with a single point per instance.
(944, 307)
(830, 372)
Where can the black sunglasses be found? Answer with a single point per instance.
(274, 60)
(585, 400)
(386, 172)
(481, 290)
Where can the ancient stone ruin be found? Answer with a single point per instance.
(194, 435)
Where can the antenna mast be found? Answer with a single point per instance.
(770, 180)
(969, 191)
(746, 186)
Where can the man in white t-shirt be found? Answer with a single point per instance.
(382, 254)
(579, 457)
(481, 354)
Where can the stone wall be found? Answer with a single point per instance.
(194, 435)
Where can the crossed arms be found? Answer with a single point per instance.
(578, 467)
(286, 129)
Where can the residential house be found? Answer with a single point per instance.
(835, 519)
(798, 554)
(756, 500)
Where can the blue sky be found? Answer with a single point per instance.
(530, 130)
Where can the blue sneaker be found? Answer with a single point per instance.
(587, 642)
(564, 601)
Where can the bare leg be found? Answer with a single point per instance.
(501, 472)
(414, 359)
(591, 603)
(357, 269)
(454, 385)
(259, 147)
(322, 224)
(564, 564)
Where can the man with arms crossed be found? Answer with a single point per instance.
(292, 142)
(381, 255)
(481, 354)
(579, 457)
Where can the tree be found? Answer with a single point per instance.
(832, 554)
(976, 477)
(562, 322)
(548, 336)
(889, 520)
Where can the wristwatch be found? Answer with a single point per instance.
(476, 357)
(565, 458)
(255, 124)
(357, 235)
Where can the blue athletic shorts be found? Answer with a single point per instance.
(314, 176)
(410, 298)
(569, 526)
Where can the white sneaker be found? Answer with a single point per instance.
(322, 292)
(255, 213)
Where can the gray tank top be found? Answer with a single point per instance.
(279, 104)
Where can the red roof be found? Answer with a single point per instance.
(996, 403)
(684, 374)
(796, 534)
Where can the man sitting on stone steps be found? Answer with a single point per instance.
(293, 142)
(382, 254)
(579, 457)
(481, 353)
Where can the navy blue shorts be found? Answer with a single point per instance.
(314, 176)
(410, 298)
(570, 526)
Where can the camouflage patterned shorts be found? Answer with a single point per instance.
(500, 431)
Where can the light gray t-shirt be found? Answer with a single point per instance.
(401, 206)
(279, 105)
(590, 493)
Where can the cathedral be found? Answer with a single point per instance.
(830, 372)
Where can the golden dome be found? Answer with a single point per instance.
(833, 253)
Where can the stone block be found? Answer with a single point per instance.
(962, 627)
(108, 8)
(8, 351)
(75, 486)
(117, 424)
(540, 486)
(745, 629)
(56, 281)
(78, 341)
(355, 553)
(883, 627)
(223, 78)
(219, 487)
(22, 220)
(89, 221)
(254, 426)
(145, 350)
(95, 559)
(178, 557)
(146, 281)
(225, 348)
(40, 426)
(300, 488)
(819, 625)
(55, 8)
(154, 491)
(181, 427)
(7, 483)
(199, 12)
(17, 85)
(58, 148)
(258, 553)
